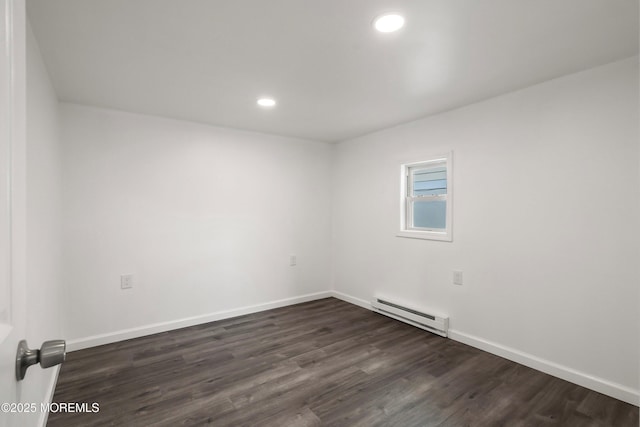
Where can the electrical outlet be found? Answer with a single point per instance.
(457, 277)
(126, 281)
(293, 260)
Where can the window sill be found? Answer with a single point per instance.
(425, 235)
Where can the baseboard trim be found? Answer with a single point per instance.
(350, 299)
(112, 337)
(48, 397)
(617, 391)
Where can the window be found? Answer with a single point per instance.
(425, 205)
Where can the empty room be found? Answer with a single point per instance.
(319, 213)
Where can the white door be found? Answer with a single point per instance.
(12, 204)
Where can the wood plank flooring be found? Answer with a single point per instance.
(322, 363)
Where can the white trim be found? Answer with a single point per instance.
(601, 385)
(125, 334)
(353, 300)
(618, 391)
(425, 235)
(405, 231)
(48, 397)
(7, 118)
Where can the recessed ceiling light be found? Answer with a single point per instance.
(267, 102)
(388, 23)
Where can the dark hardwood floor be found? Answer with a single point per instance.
(325, 363)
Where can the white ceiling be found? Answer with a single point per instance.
(333, 75)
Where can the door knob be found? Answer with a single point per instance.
(51, 354)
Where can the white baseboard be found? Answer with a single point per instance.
(566, 373)
(353, 300)
(583, 379)
(617, 391)
(108, 338)
(48, 397)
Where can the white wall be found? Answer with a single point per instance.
(546, 224)
(43, 223)
(204, 217)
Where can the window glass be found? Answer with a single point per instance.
(430, 214)
(426, 199)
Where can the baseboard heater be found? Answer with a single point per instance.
(421, 319)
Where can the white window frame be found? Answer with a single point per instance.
(406, 229)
